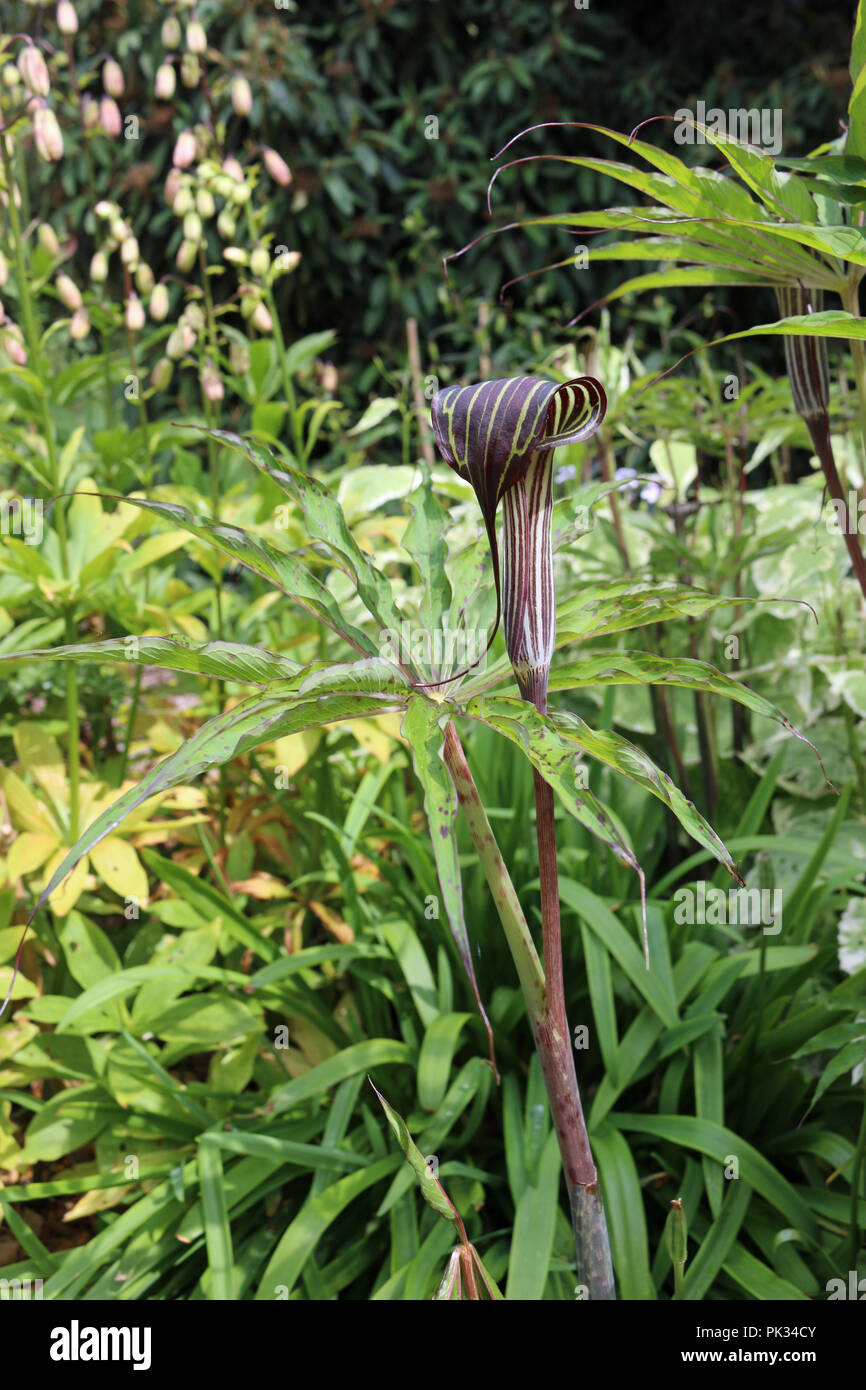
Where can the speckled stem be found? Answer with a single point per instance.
(546, 1014)
(517, 933)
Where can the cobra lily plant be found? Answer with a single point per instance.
(501, 437)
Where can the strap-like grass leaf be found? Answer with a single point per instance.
(624, 1210)
(534, 1225)
(436, 1057)
(375, 1052)
(709, 1076)
(715, 1247)
(718, 1143)
(306, 1230)
(616, 940)
(218, 1235)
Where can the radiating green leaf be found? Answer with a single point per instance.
(232, 661)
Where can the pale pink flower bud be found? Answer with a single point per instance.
(109, 117)
(119, 229)
(190, 70)
(4, 271)
(172, 184)
(112, 78)
(170, 32)
(134, 314)
(162, 373)
(129, 252)
(99, 267)
(143, 278)
(236, 255)
(204, 203)
(185, 258)
(70, 294)
(212, 383)
(105, 209)
(165, 83)
(330, 378)
(181, 340)
(260, 262)
(193, 317)
(158, 306)
(277, 167)
(288, 261)
(233, 169)
(184, 150)
(47, 136)
(242, 96)
(89, 113)
(261, 319)
(13, 345)
(196, 38)
(239, 358)
(48, 240)
(33, 70)
(67, 19)
(192, 228)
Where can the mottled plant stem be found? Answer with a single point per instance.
(544, 995)
(808, 373)
(553, 1040)
(820, 432)
(517, 933)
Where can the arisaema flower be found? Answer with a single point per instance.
(500, 436)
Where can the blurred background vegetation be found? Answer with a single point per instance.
(346, 93)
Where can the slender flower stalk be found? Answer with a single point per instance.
(501, 436)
